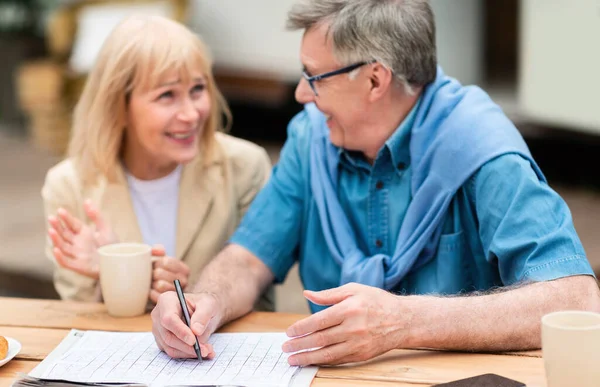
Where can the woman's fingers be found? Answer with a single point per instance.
(57, 225)
(83, 268)
(158, 251)
(94, 214)
(71, 223)
(58, 242)
(162, 286)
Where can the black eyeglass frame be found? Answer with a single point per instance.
(312, 79)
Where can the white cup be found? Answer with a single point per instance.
(570, 346)
(125, 278)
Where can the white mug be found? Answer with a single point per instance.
(570, 346)
(125, 278)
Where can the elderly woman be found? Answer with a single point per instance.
(147, 162)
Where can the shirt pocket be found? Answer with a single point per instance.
(452, 271)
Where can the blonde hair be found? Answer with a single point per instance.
(139, 52)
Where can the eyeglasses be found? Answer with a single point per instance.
(312, 79)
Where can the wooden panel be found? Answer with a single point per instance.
(326, 382)
(66, 314)
(533, 353)
(19, 312)
(8, 372)
(325, 378)
(37, 342)
(431, 367)
(263, 322)
(399, 366)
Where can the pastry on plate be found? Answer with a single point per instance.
(3, 347)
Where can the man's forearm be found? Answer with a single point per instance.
(506, 320)
(236, 278)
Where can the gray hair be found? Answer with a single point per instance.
(399, 34)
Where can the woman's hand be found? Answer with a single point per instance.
(165, 271)
(75, 242)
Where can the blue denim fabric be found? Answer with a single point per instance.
(503, 227)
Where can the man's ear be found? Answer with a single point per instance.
(381, 79)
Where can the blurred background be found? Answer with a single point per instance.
(538, 59)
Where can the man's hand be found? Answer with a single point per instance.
(165, 270)
(171, 333)
(362, 323)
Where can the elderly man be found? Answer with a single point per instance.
(397, 188)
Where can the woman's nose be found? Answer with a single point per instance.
(189, 111)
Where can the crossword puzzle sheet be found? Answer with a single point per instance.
(245, 359)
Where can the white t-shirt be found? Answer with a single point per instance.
(155, 203)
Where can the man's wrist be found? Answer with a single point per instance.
(222, 315)
(417, 328)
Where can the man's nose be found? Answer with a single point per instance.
(304, 93)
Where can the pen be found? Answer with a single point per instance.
(186, 315)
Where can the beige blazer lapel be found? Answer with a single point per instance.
(118, 209)
(199, 183)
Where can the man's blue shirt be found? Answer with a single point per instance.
(503, 226)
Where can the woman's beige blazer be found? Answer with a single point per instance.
(213, 197)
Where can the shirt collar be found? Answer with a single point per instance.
(353, 159)
(399, 142)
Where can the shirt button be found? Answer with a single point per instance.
(379, 184)
(378, 243)
(401, 166)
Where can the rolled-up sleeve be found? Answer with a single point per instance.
(525, 227)
(271, 228)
